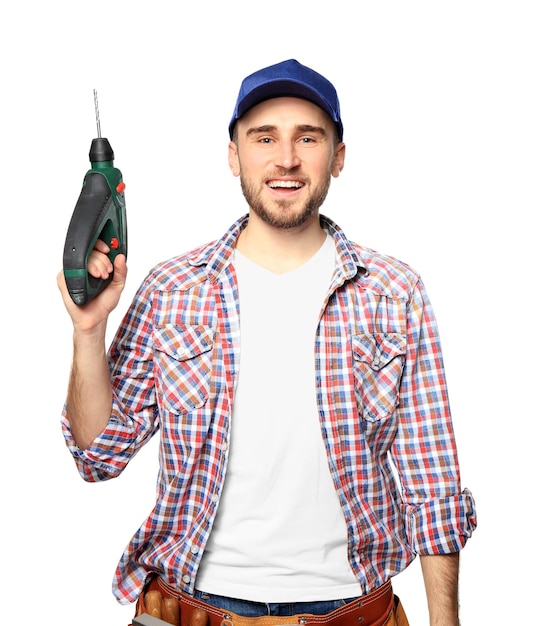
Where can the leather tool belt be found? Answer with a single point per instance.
(378, 608)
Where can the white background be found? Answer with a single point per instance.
(439, 105)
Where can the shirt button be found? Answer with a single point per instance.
(224, 446)
(194, 549)
(186, 578)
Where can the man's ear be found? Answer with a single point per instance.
(233, 158)
(339, 159)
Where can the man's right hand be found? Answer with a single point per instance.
(95, 313)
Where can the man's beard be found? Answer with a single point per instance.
(284, 216)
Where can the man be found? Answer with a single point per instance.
(289, 372)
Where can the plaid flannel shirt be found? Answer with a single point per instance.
(381, 394)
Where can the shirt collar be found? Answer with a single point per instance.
(217, 255)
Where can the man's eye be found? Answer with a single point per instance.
(307, 140)
(265, 140)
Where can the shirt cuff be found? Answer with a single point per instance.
(109, 452)
(441, 526)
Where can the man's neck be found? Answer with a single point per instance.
(280, 250)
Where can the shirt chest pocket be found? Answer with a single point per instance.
(183, 364)
(378, 365)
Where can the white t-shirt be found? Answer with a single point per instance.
(279, 533)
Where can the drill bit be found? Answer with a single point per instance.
(97, 113)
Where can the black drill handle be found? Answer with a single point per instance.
(94, 218)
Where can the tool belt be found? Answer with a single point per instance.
(378, 608)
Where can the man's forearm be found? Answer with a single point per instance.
(89, 397)
(441, 577)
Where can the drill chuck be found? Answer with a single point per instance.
(100, 150)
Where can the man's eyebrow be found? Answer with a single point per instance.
(269, 128)
(257, 130)
(314, 130)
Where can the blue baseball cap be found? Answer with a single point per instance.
(288, 78)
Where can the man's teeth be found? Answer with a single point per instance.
(287, 184)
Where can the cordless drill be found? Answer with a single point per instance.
(100, 213)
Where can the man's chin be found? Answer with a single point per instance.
(284, 217)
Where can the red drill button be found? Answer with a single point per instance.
(114, 243)
(120, 187)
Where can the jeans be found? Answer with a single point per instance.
(246, 608)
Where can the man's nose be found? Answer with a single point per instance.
(287, 155)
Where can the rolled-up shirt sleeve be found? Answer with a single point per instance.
(109, 452)
(442, 525)
(440, 515)
(134, 415)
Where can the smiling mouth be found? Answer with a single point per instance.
(285, 184)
